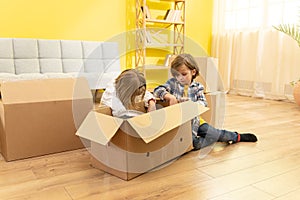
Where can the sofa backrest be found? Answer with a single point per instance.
(23, 56)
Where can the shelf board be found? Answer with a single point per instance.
(163, 45)
(156, 67)
(163, 21)
(174, 0)
(153, 67)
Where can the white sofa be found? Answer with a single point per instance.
(26, 58)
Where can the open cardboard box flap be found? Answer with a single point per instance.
(101, 128)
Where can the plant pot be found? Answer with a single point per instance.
(296, 93)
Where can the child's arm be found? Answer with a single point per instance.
(199, 93)
(107, 95)
(170, 98)
(151, 105)
(164, 92)
(149, 101)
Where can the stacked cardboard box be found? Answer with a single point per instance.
(215, 96)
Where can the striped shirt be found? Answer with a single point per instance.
(195, 93)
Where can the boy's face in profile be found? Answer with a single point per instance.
(184, 75)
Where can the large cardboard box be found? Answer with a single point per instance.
(40, 117)
(127, 148)
(216, 114)
(209, 75)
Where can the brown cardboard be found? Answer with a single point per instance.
(209, 76)
(40, 117)
(216, 103)
(129, 147)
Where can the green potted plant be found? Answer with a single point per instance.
(293, 31)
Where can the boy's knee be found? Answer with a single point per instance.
(203, 128)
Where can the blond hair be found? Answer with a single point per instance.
(129, 85)
(187, 60)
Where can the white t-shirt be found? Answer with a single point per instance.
(110, 99)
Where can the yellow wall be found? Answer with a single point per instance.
(98, 20)
(62, 19)
(199, 25)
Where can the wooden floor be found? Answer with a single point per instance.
(268, 169)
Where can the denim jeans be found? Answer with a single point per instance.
(209, 135)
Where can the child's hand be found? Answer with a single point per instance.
(171, 98)
(152, 106)
(182, 99)
(173, 101)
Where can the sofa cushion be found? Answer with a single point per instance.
(72, 65)
(59, 75)
(98, 80)
(7, 66)
(75, 74)
(51, 65)
(31, 76)
(110, 50)
(92, 50)
(6, 48)
(92, 79)
(27, 66)
(112, 65)
(25, 48)
(94, 65)
(8, 77)
(49, 48)
(71, 49)
(105, 78)
(95, 80)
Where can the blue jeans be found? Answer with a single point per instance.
(209, 135)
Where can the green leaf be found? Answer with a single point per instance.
(291, 30)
